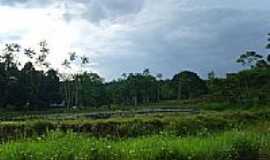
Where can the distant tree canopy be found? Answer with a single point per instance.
(35, 84)
(189, 85)
(92, 90)
(134, 88)
(20, 87)
(250, 58)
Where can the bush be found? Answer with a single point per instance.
(231, 145)
(244, 149)
(201, 124)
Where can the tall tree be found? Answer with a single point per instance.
(41, 59)
(9, 63)
(50, 91)
(72, 84)
(92, 91)
(67, 79)
(268, 44)
(250, 58)
(189, 85)
(159, 76)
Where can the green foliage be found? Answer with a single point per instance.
(178, 124)
(91, 89)
(232, 145)
(250, 58)
(134, 89)
(36, 86)
(188, 85)
(28, 85)
(247, 88)
(245, 149)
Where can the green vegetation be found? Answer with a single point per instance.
(36, 85)
(120, 127)
(233, 145)
(46, 115)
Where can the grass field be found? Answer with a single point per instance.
(212, 134)
(232, 145)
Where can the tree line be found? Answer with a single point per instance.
(36, 85)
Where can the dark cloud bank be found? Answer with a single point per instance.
(169, 36)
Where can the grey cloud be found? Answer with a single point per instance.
(10, 37)
(98, 10)
(26, 3)
(199, 40)
(11, 2)
(173, 35)
(93, 10)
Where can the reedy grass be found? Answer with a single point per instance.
(179, 124)
(230, 145)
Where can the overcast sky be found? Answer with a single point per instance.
(167, 36)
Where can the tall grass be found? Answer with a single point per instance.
(138, 126)
(234, 145)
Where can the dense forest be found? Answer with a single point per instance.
(35, 85)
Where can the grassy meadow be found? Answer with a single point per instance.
(56, 145)
(211, 134)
